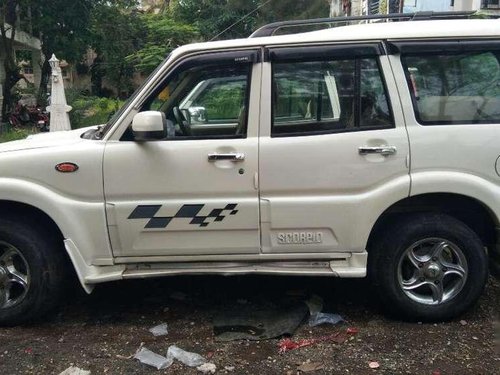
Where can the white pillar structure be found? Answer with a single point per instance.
(59, 118)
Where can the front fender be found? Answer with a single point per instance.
(82, 224)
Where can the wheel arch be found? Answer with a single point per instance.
(32, 213)
(35, 216)
(469, 210)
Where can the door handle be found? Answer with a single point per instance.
(236, 156)
(380, 150)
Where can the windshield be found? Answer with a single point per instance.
(117, 115)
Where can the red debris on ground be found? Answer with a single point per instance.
(338, 337)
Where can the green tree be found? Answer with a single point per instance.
(242, 17)
(211, 17)
(284, 10)
(163, 34)
(117, 31)
(64, 30)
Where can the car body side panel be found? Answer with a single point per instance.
(456, 159)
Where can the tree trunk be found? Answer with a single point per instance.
(9, 12)
(11, 78)
(44, 82)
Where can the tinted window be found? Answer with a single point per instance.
(454, 88)
(327, 96)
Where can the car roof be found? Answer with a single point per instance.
(471, 28)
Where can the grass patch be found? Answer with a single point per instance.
(8, 135)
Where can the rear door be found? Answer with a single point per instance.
(452, 107)
(334, 148)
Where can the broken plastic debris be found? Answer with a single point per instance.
(119, 356)
(315, 304)
(74, 371)
(159, 330)
(207, 368)
(324, 318)
(150, 358)
(339, 338)
(374, 365)
(259, 321)
(288, 344)
(188, 358)
(352, 330)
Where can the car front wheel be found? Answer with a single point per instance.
(32, 271)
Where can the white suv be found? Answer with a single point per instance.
(371, 148)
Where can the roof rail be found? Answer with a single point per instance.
(270, 29)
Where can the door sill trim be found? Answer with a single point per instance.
(232, 257)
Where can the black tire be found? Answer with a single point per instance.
(45, 259)
(390, 247)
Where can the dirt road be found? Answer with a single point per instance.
(97, 332)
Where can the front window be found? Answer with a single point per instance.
(207, 101)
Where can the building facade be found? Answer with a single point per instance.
(24, 41)
(362, 7)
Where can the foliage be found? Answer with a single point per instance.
(211, 17)
(191, 20)
(13, 134)
(126, 39)
(284, 10)
(117, 30)
(90, 110)
(163, 35)
(63, 30)
(223, 102)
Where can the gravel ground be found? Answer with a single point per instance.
(98, 332)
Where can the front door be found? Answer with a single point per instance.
(194, 192)
(334, 148)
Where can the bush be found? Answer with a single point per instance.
(7, 134)
(90, 110)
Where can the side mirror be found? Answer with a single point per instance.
(149, 126)
(198, 115)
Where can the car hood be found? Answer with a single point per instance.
(43, 140)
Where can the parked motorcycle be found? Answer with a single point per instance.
(24, 116)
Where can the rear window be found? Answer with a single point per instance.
(319, 97)
(454, 88)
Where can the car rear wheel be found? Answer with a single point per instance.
(428, 267)
(32, 271)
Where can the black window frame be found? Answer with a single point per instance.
(447, 48)
(352, 52)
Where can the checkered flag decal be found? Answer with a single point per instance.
(189, 211)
